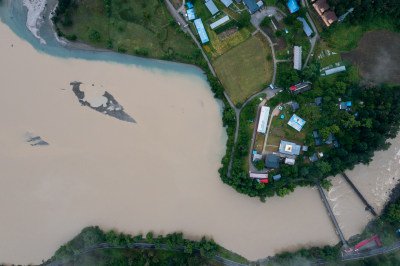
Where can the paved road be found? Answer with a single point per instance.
(316, 36)
(274, 113)
(178, 18)
(371, 253)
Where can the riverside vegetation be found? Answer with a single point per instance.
(385, 225)
(361, 131)
(193, 252)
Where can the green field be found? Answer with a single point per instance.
(280, 130)
(141, 27)
(244, 70)
(344, 37)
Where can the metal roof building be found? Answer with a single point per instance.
(289, 148)
(253, 175)
(301, 87)
(335, 70)
(297, 58)
(272, 161)
(263, 120)
(219, 22)
(306, 28)
(190, 14)
(296, 122)
(211, 6)
(290, 161)
(293, 6)
(227, 3)
(201, 30)
(251, 5)
(277, 177)
(295, 106)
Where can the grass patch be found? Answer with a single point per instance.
(344, 37)
(138, 27)
(224, 253)
(244, 70)
(259, 143)
(280, 130)
(220, 47)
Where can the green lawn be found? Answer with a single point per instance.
(344, 37)
(244, 70)
(137, 27)
(219, 47)
(280, 130)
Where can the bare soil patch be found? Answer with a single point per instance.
(377, 57)
(228, 33)
(280, 42)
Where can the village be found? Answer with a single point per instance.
(281, 136)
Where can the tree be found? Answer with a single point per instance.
(94, 35)
(149, 237)
(244, 19)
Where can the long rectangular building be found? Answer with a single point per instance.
(219, 22)
(297, 57)
(201, 30)
(263, 120)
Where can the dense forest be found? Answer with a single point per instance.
(93, 236)
(368, 10)
(360, 131)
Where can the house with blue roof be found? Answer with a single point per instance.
(306, 28)
(211, 7)
(278, 177)
(189, 5)
(201, 30)
(293, 6)
(289, 148)
(190, 14)
(227, 3)
(296, 122)
(251, 5)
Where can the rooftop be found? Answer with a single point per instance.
(272, 161)
(321, 6)
(293, 6)
(211, 7)
(296, 122)
(251, 5)
(227, 3)
(295, 106)
(201, 30)
(277, 177)
(190, 14)
(297, 57)
(289, 148)
(329, 17)
(306, 28)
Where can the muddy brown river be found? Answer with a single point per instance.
(160, 174)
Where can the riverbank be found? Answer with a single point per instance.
(151, 175)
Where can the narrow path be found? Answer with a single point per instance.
(346, 246)
(274, 113)
(253, 138)
(368, 206)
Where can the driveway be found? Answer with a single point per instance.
(257, 17)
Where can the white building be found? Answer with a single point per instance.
(263, 121)
(290, 161)
(297, 58)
